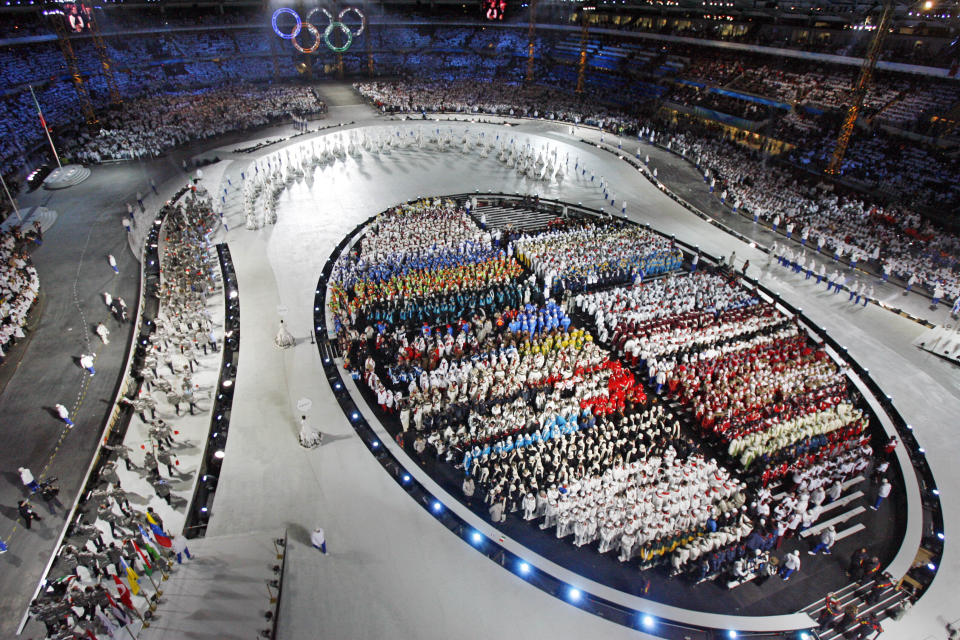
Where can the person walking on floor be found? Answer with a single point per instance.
(113, 264)
(319, 540)
(791, 563)
(86, 361)
(49, 491)
(27, 513)
(827, 539)
(26, 476)
(469, 488)
(882, 493)
(103, 332)
(154, 518)
(162, 487)
(857, 564)
(180, 548)
(64, 415)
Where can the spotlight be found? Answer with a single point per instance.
(338, 386)
(228, 383)
(574, 594)
(731, 634)
(375, 444)
(931, 566)
(354, 416)
(935, 492)
(476, 537)
(940, 535)
(233, 294)
(437, 507)
(218, 454)
(647, 622)
(921, 451)
(406, 478)
(804, 635)
(524, 568)
(203, 509)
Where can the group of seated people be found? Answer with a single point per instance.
(845, 225)
(693, 96)
(749, 376)
(149, 126)
(544, 419)
(429, 94)
(566, 260)
(19, 284)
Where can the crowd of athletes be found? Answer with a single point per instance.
(582, 379)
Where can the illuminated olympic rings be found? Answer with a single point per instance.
(345, 29)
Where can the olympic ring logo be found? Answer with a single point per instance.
(318, 37)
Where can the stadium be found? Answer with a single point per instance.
(560, 319)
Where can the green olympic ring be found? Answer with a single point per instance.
(334, 24)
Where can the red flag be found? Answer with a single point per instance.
(162, 540)
(90, 634)
(123, 592)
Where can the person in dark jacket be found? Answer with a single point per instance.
(27, 513)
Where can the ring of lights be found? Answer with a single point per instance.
(296, 30)
(344, 29)
(317, 40)
(318, 37)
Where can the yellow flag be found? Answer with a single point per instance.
(132, 579)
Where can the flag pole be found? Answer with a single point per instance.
(45, 129)
(16, 209)
(143, 621)
(147, 572)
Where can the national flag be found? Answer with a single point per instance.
(162, 538)
(107, 624)
(147, 567)
(123, 592)
(151, 519)
(131, 578)
(154, 554)
(159, 537)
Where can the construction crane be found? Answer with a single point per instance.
(860, 89)
(369, 38)
(531, 34)
(582, 61)
(63, 39)
(105, 61)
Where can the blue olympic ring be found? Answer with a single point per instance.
(347, 31)
(296, 30)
